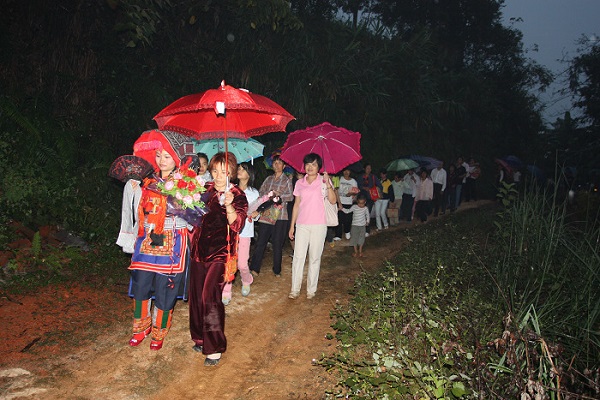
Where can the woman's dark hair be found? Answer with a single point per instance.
(249, 168)
(312, 157)
(203, 155)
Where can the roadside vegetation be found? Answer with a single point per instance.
(499, 302)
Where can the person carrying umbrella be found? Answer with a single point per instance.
(212, 247)
(308, 224)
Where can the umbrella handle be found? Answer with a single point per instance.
(226, 148)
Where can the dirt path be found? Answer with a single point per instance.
(272, 340)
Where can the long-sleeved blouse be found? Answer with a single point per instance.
(209, 243)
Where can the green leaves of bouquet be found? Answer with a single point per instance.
(185, 186)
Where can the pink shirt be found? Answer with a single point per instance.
(311, 210)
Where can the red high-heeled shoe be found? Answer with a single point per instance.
(137, 338)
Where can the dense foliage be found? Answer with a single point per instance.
(468, 312)
(80, 80)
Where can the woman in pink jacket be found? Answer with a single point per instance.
(308, 224)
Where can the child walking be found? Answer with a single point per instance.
(360, 221)
(245, 175)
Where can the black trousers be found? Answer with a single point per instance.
(470, 189)
(277, 234)
(423, 209)
(406, 207)
(345, 222)
(438, 199)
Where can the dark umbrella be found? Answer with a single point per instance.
(513, 161)
(402, 164)
(426, 162)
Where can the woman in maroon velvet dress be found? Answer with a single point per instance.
(209, 248)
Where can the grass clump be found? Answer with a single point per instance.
(415, 328)
(499, 302)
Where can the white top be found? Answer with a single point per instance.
(251, 196)
(345, 186)
(411, 184)
(439, 176)
(517, 177)
(398, 187)
(360, 215)
(132, 193)
(206, 176)
(468, 169)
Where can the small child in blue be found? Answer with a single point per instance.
(360, 220)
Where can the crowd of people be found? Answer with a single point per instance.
(173, 258)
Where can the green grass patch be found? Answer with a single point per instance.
(102, 265)
(438, 321)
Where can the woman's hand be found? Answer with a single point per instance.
(228, 198)
(326, 178)
(291, 233)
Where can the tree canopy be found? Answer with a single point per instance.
(82, 79)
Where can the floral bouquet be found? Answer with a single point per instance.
(186, 196)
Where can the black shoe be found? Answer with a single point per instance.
(209, 362)
(197, 348)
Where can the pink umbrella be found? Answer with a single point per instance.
(338, 147)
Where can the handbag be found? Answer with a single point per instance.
(374, 192)
(270, 215)
(230, 268)
(331, 211)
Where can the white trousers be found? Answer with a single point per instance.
(380, 207)
(309, 239)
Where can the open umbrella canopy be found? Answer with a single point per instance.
(402, 164)
(513, 161)
(338, 147)
(426, 162)
(129, 167)
(242, 149)
(223, 112)
(503, 164)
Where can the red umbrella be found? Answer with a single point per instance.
(223, 112)
(338, 147)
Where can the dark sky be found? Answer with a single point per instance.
(555, 27)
